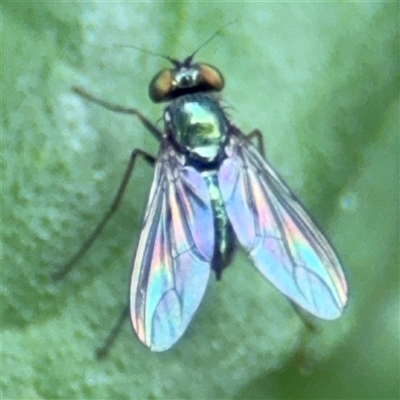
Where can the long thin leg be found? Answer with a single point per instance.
(310, 326)
(256, 134)
(304, 359)
(120, 109)
(114, 205)
(102, 351)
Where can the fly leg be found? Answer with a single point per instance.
(256, 134)
(102, 351)
(65, 269)
(306, 361)
(120, 109)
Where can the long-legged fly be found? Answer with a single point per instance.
(213, 190)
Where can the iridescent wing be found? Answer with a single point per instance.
(282, 240)
(172, 263)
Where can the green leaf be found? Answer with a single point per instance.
(320, 80)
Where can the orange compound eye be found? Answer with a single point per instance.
(211, 76)
(172, 83)
(161, 86)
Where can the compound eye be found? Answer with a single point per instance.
(161, 85)
(211, 76)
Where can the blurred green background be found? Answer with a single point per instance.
(321, 80)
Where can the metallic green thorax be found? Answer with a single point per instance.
(197, 123)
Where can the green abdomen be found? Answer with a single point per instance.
(224, 236)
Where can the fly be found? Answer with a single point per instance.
(213, 190)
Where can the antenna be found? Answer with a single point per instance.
(189, 59)
(174, 61)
